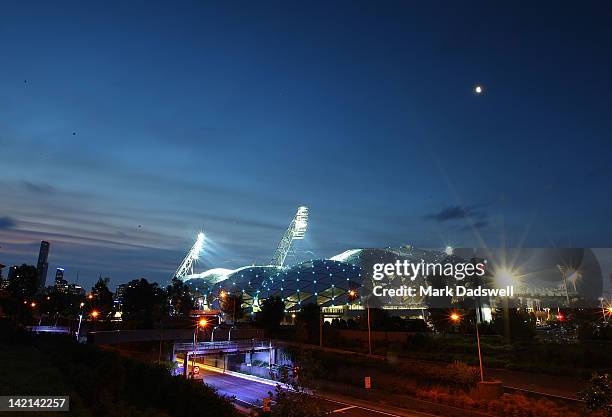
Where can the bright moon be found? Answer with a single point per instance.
(478, 89)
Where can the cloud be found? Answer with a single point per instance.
(38, 188)
(453, 213)
(473, 217)
(7, 222)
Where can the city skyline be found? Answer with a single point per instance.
(120, 144)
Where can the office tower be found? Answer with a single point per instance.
(60, 283)
(119, 293)
(42, 265)
(3, 282)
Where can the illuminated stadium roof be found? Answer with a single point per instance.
(326, 282)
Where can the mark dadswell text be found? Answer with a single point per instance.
(429, 291)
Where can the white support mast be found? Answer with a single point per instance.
(186, 267)
(295, 231)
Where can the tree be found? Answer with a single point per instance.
(145, 302)
(179, 298)
(231, 305)
(522, 324)
(272, 313)
(297, 401)
(309, 320)
(23, 282)
(60, 303)
(102, 297)
(598, 395)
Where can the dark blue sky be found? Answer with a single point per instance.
(226, 117)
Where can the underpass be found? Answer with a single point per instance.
(249, 391)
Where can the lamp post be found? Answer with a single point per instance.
(456, 318)
(369, 330)
(201, 323)
(321, 327)
(80, 320)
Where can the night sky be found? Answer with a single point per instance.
(127, 128)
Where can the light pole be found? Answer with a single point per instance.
(223, 296)
(80, 320)
(456, 318)
(321, 328)
(201, 323)
(369, 330)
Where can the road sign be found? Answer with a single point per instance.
(266, 405)
(196, 370)
(368, 382)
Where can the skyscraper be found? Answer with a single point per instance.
(3, 282)
(60, 283)
(42, 265)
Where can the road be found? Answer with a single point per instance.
(248, 392)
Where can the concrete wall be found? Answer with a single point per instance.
(144, 335)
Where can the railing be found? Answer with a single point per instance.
(49, 329)
(223, 346)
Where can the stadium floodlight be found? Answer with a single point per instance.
(186, 267)
(295, 231)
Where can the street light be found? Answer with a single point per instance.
(80, 320)
(201, 323)
(95, 314)
(456, 318)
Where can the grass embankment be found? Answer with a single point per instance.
(451, 384)
(24, 370)
(100, 383)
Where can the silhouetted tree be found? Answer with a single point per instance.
(522, 324)
(179, 298)
(308, 320)
(23, 282)
(598, 395)
(102, 297)
(59, 303)
(272, 313)
(144, 302)
(231, 305)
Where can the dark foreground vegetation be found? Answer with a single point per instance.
(100, 383)
(418, 384)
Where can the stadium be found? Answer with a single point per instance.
(342, 284)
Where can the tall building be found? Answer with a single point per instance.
(60, 283)
(75, 289)
(43, 264)
(3, 281)
(119, 294)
